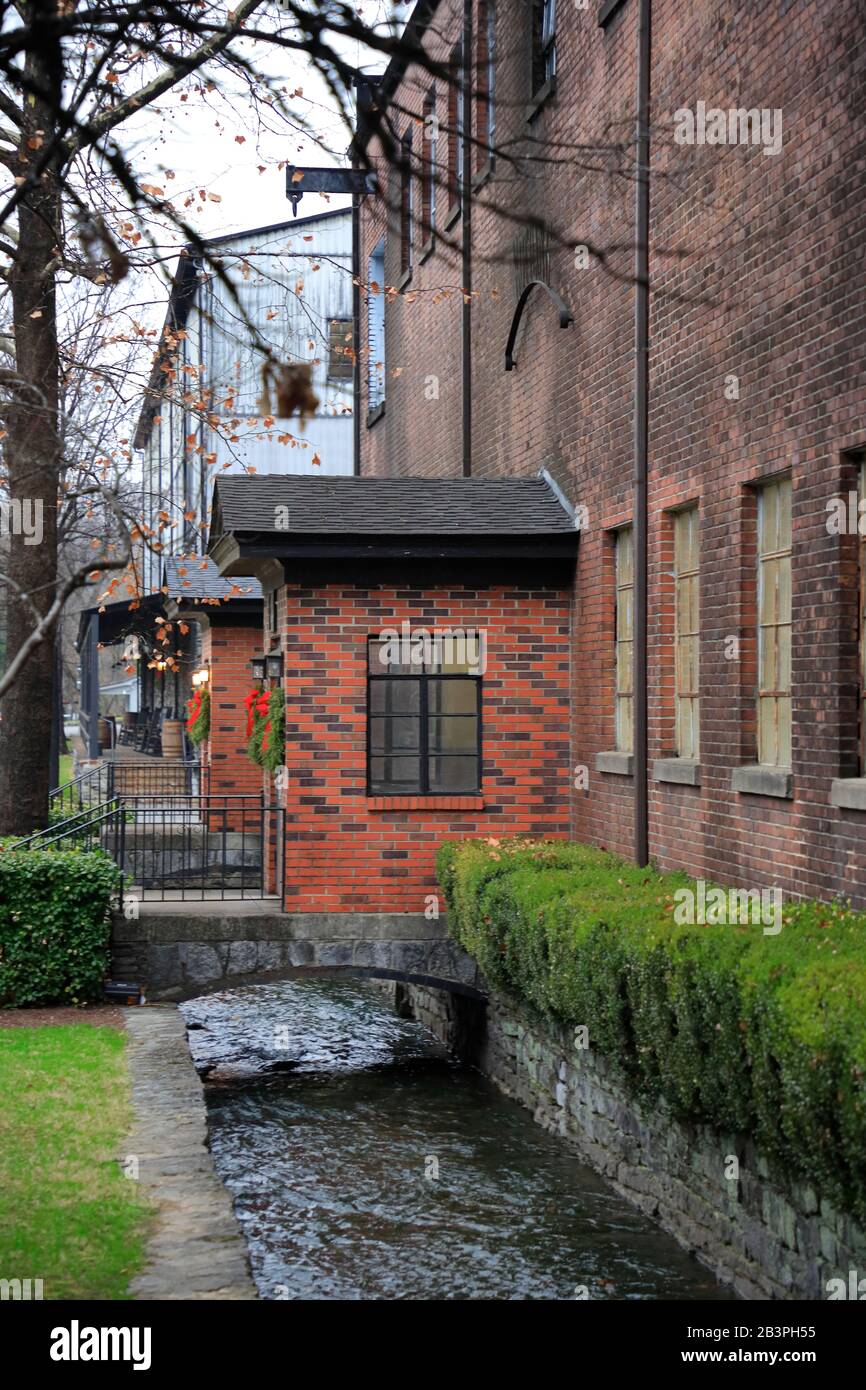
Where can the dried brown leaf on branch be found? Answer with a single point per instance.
(287, 390)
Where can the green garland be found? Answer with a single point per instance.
(198, 723)
(266, 746)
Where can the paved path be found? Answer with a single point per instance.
(196, 1250)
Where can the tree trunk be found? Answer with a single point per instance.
(32, 455)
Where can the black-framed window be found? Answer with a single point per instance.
(543, 43)
(423, 720)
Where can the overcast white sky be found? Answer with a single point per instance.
(218, 145)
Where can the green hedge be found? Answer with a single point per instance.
(746, 1031)
(54, 925)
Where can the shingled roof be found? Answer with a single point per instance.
(198, 578)
(328, 506)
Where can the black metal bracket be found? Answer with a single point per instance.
(301, 181)
(566, 317)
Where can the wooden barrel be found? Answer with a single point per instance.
(172, 739)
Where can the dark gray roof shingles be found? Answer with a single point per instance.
(197, 577)
(390, 506)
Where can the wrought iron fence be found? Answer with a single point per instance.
(177, 846)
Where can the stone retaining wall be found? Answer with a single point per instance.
(766, 1242)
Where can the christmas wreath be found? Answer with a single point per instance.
(198, 720)
(266, 728)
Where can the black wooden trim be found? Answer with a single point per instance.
(607, 11)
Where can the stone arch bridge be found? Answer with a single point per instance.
(177, 950)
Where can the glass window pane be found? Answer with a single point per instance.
(768, 509)
(395, 774)
(784, 589)
(457, 652)
(453, 734)
(452, 697)
(769, 604)
(392, 655)
(456, 774)
(767, 741)
(767, 661)
(784, 721)
(784, 536)
(398, 734)
(784, 659)
(395, 697)
(624, 733)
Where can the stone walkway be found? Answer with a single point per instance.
(196, 1250)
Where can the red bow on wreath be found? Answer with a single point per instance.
(194, 707)
(256, 703)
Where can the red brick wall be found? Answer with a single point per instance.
(756, 271)
(345, 852)
(228, 651)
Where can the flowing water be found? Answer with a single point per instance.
(366, 1164)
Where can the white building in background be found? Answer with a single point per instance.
(294, 283)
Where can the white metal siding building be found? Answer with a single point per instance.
(293, 284)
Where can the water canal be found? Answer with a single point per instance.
(366, 1164)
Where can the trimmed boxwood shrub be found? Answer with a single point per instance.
(54, 925)
(759, 1034)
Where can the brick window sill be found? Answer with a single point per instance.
(848, 793)
(763, 781)
(684, 771)
(616, 762)
(375, 414)
(425, 803)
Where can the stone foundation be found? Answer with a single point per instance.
(766, 1242)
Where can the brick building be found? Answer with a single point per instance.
(227, 615)
(755, 420)
(424, 627)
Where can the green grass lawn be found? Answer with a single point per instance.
(68, 1215)
(65, 769)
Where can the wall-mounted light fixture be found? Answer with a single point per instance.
(200, 677)
(274, 666)
(257, 666)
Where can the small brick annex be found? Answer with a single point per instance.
(350, 852)
(368, 557)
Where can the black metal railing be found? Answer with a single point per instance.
(177, 846)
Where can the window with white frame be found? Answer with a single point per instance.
(861, 627)
(376, 327)
(624, 639)
(687, 640)
(774, 623)
(543, 43)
